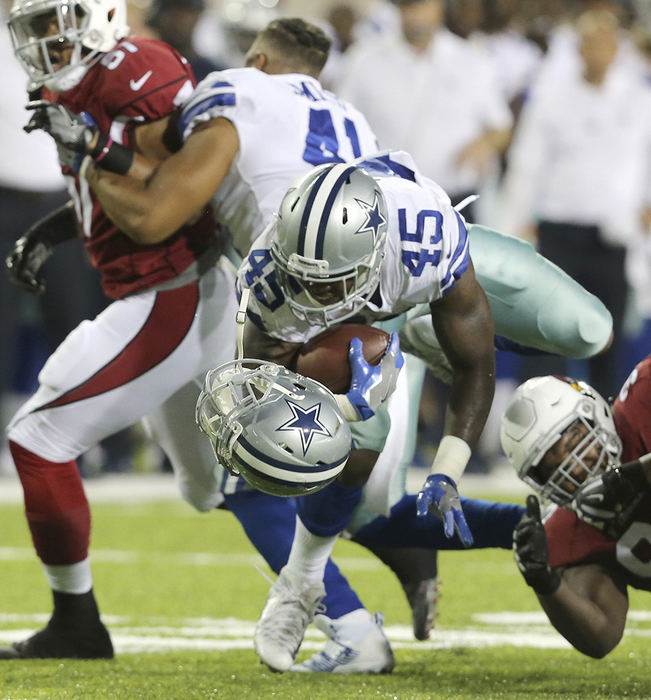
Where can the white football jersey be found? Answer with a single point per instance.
(286, 125)
(427, 251)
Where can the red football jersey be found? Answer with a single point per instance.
(141, 79)
(633, 412)
(572, 541)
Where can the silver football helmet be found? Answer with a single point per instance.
(280, 431)
(44, 31)
(329, 242)
(541, 410)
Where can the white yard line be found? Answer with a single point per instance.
(139, 640)
(158, 634)
(117, 556)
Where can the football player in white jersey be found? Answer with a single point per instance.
(246, 134)
(222, 141)
(368, 240)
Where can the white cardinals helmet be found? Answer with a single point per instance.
(57, 41)
(541, 410)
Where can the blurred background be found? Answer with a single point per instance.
(542, 107)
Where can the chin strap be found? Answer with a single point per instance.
(240, 319)
(466, 201)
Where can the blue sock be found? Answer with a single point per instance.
(490, 523)
(503, 343)
(328, 511)
(269, 523)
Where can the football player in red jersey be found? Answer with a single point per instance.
(170, 321)
(563, 440)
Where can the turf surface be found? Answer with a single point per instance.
(180, 594)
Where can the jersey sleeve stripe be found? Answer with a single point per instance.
(219, 94)
(222, 100)
(460, 258)
(462, 242)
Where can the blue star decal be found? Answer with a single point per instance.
(306, 421)
(374, 217)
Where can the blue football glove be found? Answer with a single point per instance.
(371, 385)
(440, 496)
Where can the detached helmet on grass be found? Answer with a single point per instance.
(280, 431)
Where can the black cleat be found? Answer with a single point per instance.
(74, 631)
(54, 643)
(423, 597)
(416, 569)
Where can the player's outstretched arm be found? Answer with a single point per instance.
(463, 323)
(586, 604)
(464, 326)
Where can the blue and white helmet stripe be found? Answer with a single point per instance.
(318, 208)
(285, 472)
(281, 432)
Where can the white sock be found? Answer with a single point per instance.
(70, 578)
(309, 554)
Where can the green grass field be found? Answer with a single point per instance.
(180, 594)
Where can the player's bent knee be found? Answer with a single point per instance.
(200, 499)
(533, 301)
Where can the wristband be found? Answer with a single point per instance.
(101, 144)
(451, 458)
(104, 150)
(112, 156)
(346, 408)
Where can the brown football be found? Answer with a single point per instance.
(325, 357)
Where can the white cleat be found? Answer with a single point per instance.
(355, 646)
(290, 607)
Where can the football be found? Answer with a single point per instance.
(325, 357)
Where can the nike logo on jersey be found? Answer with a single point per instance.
(137, 84)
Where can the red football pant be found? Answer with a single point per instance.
(55, 505)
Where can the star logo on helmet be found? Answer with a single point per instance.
(306, 422)
(374, 216)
